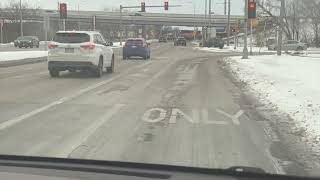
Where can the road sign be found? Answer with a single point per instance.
(236, 30)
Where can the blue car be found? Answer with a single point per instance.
(136, 47)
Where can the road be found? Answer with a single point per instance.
(178, 108)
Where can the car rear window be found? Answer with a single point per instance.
(134, 42)
(71, 38)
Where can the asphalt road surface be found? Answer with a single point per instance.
(178, 108)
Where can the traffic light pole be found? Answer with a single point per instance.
(245, 48)
(251, 38)
(64, 24)
(228, 26)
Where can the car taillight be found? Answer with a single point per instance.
(52, 46)
(89, 46)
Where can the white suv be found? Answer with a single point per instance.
(79, 50)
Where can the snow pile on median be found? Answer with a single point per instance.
(18, 55)
(286, 84)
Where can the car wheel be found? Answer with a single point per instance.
(54, 73)
(99, 70)
(20, 46)
(111, 68)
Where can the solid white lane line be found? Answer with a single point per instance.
(68, 146)
(18, 119)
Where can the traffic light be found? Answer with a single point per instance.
(166, 5)
(143, 7)
(252, 9)
(63, 11)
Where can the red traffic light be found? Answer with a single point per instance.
(143, 7)
(63, 10)
(63, 7)
(252, 5)
(166, 5)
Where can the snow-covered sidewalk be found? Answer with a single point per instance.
(286, 84)
(19, 55)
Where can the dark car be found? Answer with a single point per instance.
(162, 39)
(215, 42)
(136, 47)
(180, 41)
(27, 41)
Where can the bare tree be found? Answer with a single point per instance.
(291, 22)
(12, 10)
(311, 9)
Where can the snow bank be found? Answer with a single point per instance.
(289, 84)
(18, 55)
(231, 49)
(6, 45)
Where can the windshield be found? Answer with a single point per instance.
(196, 83)
(134, 42)
(71, 38)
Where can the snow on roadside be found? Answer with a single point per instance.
(231, 49)
(288, 84)
(18, 55)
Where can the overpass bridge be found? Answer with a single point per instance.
(138, 18)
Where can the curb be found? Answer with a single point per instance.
(22, 61)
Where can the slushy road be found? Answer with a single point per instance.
(178, 108)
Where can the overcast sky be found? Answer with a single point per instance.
(188, 5)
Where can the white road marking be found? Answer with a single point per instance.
(205, 119)
(76, 140)
(18, 119)
(175, 112)
(145, 70)
(162, 115)
(44, 72)
(234, 118)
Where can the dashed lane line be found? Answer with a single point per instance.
(18, 119)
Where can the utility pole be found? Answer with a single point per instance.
(21, 23)
(79, 27)
(120, 25)
(204, 30)
(282, 9)
(228, 26)
(225, 7)
(245, 48)
(1, 28)
(210, 13)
